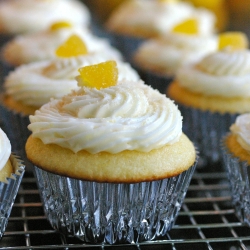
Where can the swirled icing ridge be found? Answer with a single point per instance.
(122, 117)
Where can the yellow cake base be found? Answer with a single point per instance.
(207, 103)
(18, 106)
(6, 171)
(235, 148)
(124, 167)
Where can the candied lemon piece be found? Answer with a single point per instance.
(189, 26)
(73, 46)
(234, 40)
(60, 25)
(102, 75)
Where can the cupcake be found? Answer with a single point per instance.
(11, 173)
(134, 21)
(30, 86)
(157, 60)
(116, 149)
(236, 147)
(211, 92)
(39, 46)
(27, 16)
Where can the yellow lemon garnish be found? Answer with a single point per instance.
(102, 75)
(60, 25)
(189, 27)
(234, 40)
(73, 46)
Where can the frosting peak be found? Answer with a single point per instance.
(5, 149)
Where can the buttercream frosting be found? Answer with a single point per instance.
(122, 117)
(241, 128)
(35, 83)
(42, 45)
(28, 15)
(224, 73)
(174, 50)
(5, 149)
(159, 16)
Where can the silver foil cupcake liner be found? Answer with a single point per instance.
(15, 126)
(112, 213)
(238, 173)
(206, 129)
(8, 191)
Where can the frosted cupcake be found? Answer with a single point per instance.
(42, 45)
(236, 148)
(133, 21)
(127, 154)
(30, 86)
(26, 16)
(11, 173)
(157, 60)
(211, 92)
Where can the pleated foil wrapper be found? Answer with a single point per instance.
(8, 191)
(112, 213)
(15, 126)
(238, 173)
(206, 129)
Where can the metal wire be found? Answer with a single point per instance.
(206, 221)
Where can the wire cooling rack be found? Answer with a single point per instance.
(206, 221)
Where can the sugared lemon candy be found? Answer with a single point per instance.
(189, 26)
(60, 25)
(73, 46)
(102, 75)
(233, 40)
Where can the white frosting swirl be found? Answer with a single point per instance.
(36, 83)
(159, 16)
(174, 50)
(42, 45)
(123, 117)
(5, 149)
(224, 73)
(28, 15)
(241, 128)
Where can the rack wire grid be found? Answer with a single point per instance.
(206, 220)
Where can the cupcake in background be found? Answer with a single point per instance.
(119, 147)
(41, 45)
(30, 86)
(27, 16)
(211, 92)
(157, 60)
(236, 155)
(11, 174)
(134, 21)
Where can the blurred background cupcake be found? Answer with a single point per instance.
(236, 148)
(42, 45)
(27, 16)
(11, 174)
(31, 85)
(157, 60)
(119, 147)
(211, 92)
(134, 21)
